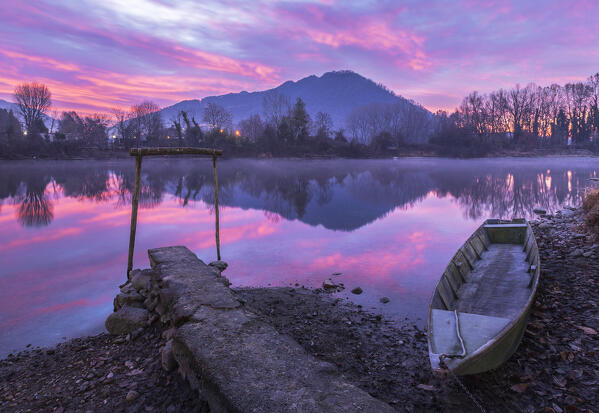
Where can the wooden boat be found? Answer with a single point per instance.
(480, 307)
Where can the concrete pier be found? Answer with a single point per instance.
(234, 360)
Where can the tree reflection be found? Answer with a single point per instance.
(338, 194)
(35, 209)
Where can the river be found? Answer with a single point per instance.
(388, 226)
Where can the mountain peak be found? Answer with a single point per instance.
(336, 92)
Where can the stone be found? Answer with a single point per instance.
(132, 395)
(140, 280)
(357, 290)
(219, 265)
(152, 319)
(151, 303)
(328, 284)
(168, 334)
(539, 211)
(168, 358)
(576, 253)
(132, 298)
(126, 320)
(544, 225)
(384, 300)
(337, 273)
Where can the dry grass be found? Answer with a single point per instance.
(590, 205)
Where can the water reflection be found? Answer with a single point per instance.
(388, 226)
(340, 195)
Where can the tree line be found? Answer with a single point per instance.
(519, 119)
(524, 118)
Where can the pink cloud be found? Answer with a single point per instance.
(94, 58)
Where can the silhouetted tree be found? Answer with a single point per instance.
(33, 99)
(299, 121)
(252, 128)
(146, 120)
(217, 116)
(275, 107)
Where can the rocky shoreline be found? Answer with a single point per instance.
(553, 370)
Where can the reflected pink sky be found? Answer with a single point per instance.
(59, 280)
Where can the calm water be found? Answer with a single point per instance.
(388, 226)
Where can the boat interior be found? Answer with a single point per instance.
(486, 285)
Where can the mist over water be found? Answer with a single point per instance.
(388, 226)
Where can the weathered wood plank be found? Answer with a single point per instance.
(174, 151)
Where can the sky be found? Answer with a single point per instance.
(96, 55)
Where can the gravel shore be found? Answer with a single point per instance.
(555, 368)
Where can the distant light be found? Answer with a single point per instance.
(168, 137)
(113, 136)
(221, 131)
(135, 137)
(237, 133)
(25, 133)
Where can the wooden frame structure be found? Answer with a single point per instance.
(139, 153)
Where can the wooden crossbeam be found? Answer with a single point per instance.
(174, 151)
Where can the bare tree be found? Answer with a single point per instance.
(146, 120)
(121, 117)
(593, 82)
(577, 102)
(33, 99)
(400, 120)
(53, 120)
(275, 106)
(252, 128)
(474, 113)
(216, 116)
(323, 124)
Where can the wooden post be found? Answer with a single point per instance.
(139, 153)
(216, 207)
(134, 203)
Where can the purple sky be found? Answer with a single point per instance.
(95, 55)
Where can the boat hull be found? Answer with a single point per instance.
(503, 333)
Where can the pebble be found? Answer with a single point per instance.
(132, 395)
(384, 300)
(576, 253)
(357, 290)
(328, 283)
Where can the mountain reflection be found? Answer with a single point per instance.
(337, 194)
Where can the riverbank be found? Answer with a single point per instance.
(553, 369)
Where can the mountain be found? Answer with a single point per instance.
(336, 93)
(8, 106)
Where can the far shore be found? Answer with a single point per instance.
(112, 155)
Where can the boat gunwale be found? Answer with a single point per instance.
(515, 322)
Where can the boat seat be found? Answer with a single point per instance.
(476, 330)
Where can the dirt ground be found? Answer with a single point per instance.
(555, 369)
